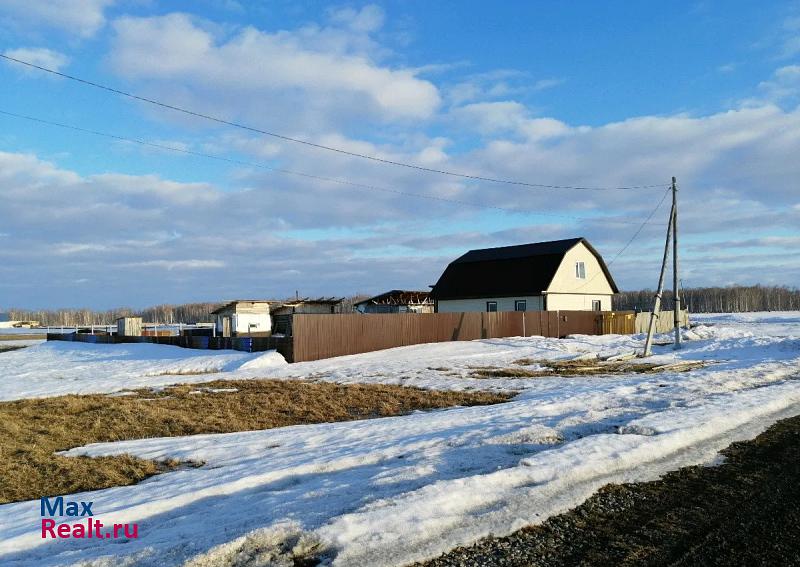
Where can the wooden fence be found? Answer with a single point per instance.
(324, 336)
(664, 321)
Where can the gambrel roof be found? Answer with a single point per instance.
(523, 270)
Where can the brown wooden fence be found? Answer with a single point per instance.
(325, 336)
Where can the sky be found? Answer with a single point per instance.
(577, 94)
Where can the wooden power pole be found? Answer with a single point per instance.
(657, 302)
(675, 276)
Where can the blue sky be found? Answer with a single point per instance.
(553, 93)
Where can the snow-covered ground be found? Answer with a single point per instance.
(10, 331)
(394, 490)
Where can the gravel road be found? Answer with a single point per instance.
(743, 512)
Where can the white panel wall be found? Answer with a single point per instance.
(534, 303)
(241, 322)
(576, 302)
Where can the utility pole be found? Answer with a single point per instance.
(657, 303)
(675, 277)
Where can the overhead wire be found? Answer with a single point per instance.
(309, 175)
(630, 241)
(320, 146)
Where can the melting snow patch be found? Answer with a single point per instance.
(285, 545)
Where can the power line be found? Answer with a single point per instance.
(319, 146)
(635, 235)
(306, 175)
(639, 230)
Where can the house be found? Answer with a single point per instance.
(397, 301)
(244, 317)
(282, 313)
(544, 276)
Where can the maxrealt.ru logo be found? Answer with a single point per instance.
(89, 527)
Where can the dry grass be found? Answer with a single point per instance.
(22, 337)
(548, 368)
(32, 430)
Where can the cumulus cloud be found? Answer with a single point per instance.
(791, 37)
(490, 118)
(783, 85)
(110, 239)
(318, 74)
(82, 18)
(269, 233)
(38, 56)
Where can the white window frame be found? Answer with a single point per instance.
(489, 303)
(520, 302)
(580, 270)
(598, 303)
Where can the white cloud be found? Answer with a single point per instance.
(178, 264)
(784, 84)
(369, 19)
(508, 117)
(38, 56)
(313, 74)
(83, 18)
(791, 37)
(544, 84)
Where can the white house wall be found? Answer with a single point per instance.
(577, 302)
(534, 303)
(564, 281)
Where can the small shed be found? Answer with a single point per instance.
(306, 305)
(282, 314)
(129, 326)
(244, 317)
(397, 301)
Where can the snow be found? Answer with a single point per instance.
(54, 368)
(23, 331)
(394, 490)
(20, 342)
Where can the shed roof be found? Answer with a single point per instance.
(232, 304)
(398, 297)
(525, 269)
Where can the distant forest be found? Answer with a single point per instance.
(699, 300)
(169, 314)
(734, 299)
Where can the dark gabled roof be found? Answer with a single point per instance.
(526, 269)
(398, 297)
(318, 300)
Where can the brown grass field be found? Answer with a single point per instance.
(32, 430)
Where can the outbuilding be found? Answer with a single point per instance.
(282, 314)
(543, 276)
(244, 317)
(397, 301)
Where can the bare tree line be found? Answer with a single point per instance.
(733, 299)
(187, 313)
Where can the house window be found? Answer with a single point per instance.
(596, 305)
(491, 306)
(580, 270)
(520, 305)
